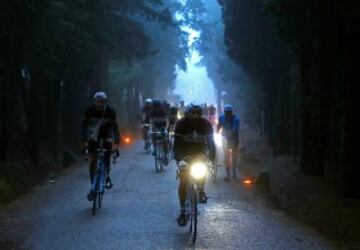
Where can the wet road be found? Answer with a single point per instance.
(140, 212)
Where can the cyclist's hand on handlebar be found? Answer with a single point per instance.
(182, 165)
(116, 153)
(86, 153)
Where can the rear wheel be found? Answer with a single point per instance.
(158, 157)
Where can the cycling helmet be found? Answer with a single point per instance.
(156, 103)
(195, 107)
(148, 101)
(228, 108)
(100, 96)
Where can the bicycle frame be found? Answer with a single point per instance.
(192, 196)
(100, 172)
(159, 141)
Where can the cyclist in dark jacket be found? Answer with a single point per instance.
(193, 137)
(100, 129)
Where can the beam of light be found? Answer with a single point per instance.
(218, 140)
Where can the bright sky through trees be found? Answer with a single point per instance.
(194, 84)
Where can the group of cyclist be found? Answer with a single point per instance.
(192, 127)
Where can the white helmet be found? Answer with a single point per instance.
(100, 96)
(148, 101)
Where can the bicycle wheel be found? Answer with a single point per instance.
(158, 160)
(95, 193)
(194, 214)
(161, 157)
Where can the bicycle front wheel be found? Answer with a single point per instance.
(158, 158)
(194, 214)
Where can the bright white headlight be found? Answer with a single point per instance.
(198, 170)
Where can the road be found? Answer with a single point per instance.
(140, 213)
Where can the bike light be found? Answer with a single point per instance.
(179, 115)
(248, 182)
(218, 139)
(198, 170)
(127, 140)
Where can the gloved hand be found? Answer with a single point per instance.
(182, 165)
(116, 153)
(85, 153)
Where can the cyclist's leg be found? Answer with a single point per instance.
(166, 149)
(202, 196)
(153, 142)
(92, 160)
(182, 193)
(227, 162)
(182, 189)
(233, 161)
(92, 167)
(107, 160)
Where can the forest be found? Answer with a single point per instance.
(288, 66)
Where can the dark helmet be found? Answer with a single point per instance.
(195, 107)
(156, 103)
(228, 108)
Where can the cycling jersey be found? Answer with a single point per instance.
(146, 110)
(193, 138)
(230, 128)
(100, 124)
(159, 118)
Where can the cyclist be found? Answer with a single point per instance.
(193, 137)
(159, 123)
(146, 113)
(212, 115)
(172, 117)
(181, 109)
(100, 129)
(230, 124)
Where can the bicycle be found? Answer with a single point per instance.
(198, 171)
(99, 182)
(160, 152)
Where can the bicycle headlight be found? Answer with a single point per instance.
(198, 170)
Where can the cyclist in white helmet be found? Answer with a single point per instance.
(99, 125)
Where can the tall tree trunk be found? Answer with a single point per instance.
(350, 161)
